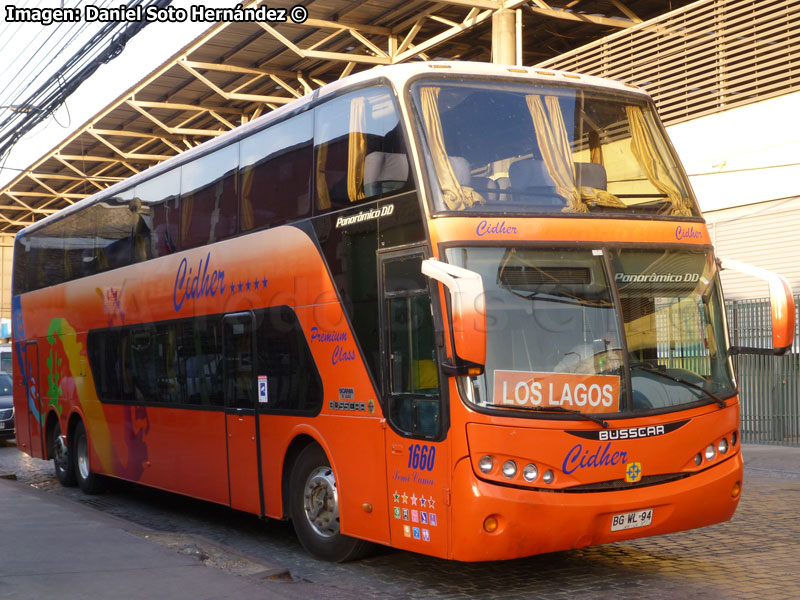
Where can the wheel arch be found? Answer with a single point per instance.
(49, 429)
(299, 443)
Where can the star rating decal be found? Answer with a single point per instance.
(396, 496)
(414, 500)
(245, 285)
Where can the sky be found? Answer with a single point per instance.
(29, 54)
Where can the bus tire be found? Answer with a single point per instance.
(90, 483)
(62, 458)
(314, 508)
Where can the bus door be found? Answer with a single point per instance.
(416, 454)
(241, 425)
(33, 388)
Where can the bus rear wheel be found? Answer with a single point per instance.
(62, 460)
(90, 483)
(314, 508)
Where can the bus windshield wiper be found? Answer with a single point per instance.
(571, 411)
(720, 402)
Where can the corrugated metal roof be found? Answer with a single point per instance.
(237, 71)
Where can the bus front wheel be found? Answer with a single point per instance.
(314, 508)
(90, 483)
(62, 460)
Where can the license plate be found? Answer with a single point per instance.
(639, 518)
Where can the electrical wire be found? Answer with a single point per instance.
(58, 87)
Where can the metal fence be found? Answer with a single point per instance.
(769, 386)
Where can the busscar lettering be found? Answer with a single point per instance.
(631, 433)
(202, 284)
(580, 458)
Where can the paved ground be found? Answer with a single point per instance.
(756, 555)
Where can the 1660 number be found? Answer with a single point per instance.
(421, 457)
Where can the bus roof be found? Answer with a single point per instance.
(397, 74)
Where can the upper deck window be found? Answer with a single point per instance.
(359, 151)
(544, 149)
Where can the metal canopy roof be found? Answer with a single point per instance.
(237, 71)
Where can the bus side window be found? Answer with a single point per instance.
(159, 198)
(275, 173)
(293, 380)
(359, 151)
(209, 198)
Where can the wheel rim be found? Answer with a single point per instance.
(82, 450)
(60, 452)
(321, 502)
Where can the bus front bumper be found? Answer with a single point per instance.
(532, 522)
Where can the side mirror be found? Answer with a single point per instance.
(468, 308)
(781, 304)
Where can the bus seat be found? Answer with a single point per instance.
(531, 183)
(461, 169)
(384, 172)
(529, 173)
(591, 175)
(486, 187)
(503, 183)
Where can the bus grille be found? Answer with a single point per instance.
(621, 484)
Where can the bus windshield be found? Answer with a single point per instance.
(580, 329)
(529, 148)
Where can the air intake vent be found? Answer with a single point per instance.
(516, 276)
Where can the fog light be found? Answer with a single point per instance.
(485, 464)
(734, 438)
(548, 476)
(736, 490)
(509, 468)
(711, 452)
(698, 459)
(722, 447)
(490, 524)
(530, 473)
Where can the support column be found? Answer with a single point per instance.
(504, 45)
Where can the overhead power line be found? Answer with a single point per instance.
(43, 102)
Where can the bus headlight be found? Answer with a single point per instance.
(509, 468)
(711, 452)
(485, 464)
(722, 447)
(548, 476)
(530, 473)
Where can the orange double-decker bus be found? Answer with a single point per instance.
(461, 309)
